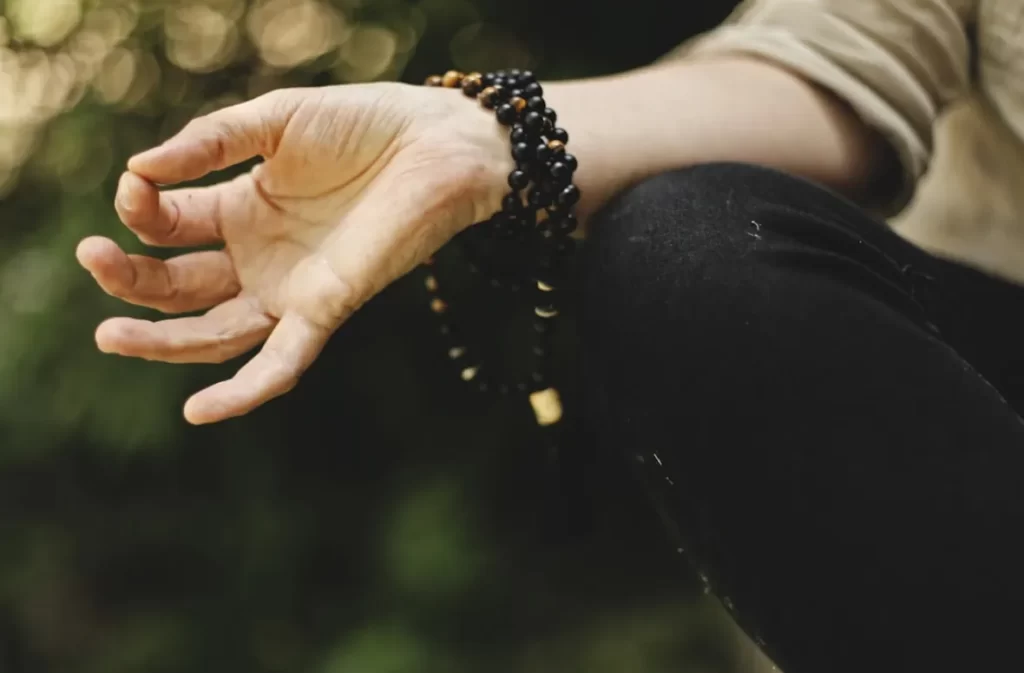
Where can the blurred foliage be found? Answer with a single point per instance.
(376, 520)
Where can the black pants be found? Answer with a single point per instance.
(827, 414)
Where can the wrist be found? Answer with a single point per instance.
(517, 163)
(475, 146)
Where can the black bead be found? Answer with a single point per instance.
(546, 126)
(512, 203)
(499, 80)
(506, 114)
(488, 79)
(514, 72)
(549, 186)
(543, 152)
(522, 152)
(518, 179)
(526, 218)
(570, 161)
(515, 93)
(519, 134)
(536, 104)
(526, 76)
(561, 172)
(559, 134)
(565, 225)
(539, 198)
(569, 196)
(533, 121)
(525, 166)
(551, 114)
(533, 89)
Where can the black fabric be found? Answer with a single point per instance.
(826, 413)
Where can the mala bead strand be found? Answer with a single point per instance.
(537, 213)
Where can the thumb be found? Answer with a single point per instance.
(220, 139)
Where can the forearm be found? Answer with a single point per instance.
(627, 127)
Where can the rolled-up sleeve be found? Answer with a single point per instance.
(897, 63)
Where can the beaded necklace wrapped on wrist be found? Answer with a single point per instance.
(536, 214)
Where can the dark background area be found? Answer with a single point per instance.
(378, 519)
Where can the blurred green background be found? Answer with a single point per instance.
(379, 519)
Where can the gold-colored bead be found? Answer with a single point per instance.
(452, 79)
(469, 373)
(518, 103)
(556, 145)
(544, 287)
(431, 283)
(438, 306)
(433, 80)
(475, 75)
(547, 406)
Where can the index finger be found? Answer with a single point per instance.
(218, 140)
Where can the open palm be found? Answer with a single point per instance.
(359, 185)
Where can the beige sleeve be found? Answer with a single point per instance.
(896, 62)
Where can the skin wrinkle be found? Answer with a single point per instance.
(173, 291)
(175, 219)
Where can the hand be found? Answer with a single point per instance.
(360, 183)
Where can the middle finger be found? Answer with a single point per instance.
(189, 282)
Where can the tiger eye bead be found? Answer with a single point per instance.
(452, 79)
(433, 80)
(557, 147)
(518, 103)
(489, 96)
(472, 84)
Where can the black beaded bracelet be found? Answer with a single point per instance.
(535, 219)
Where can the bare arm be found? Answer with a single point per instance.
(634, 125)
